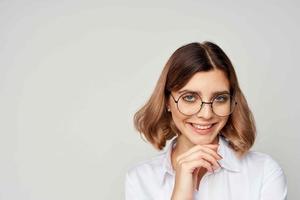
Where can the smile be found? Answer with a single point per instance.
(202, 127)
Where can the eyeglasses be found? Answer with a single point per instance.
(191, 103)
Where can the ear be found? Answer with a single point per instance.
(168, 107)
(168, 103)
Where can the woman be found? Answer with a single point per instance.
(198, 105)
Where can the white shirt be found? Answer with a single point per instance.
(254, 177)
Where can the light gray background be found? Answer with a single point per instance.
(73, 73)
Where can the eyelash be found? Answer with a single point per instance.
(222, 96)
(216, 97)
(184, 97)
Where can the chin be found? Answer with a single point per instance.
(204, 140)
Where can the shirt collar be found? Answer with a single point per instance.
(229, 162)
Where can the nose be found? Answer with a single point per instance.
(205, 111)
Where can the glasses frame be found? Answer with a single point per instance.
(203, 102)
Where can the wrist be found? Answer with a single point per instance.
(181, 197)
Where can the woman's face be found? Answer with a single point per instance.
(203, 126)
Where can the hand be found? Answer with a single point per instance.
(187, 166)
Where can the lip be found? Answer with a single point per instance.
(202, 132)
(202, 124)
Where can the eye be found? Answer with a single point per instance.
(189, 97)
(222, 98)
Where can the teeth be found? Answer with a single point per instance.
(198, 126)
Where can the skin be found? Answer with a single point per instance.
(195, 154)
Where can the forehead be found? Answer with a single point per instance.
(208, 82)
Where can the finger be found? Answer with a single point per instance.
(211, 145)
(204, 149)
(213, 153)
(190, 166)
(193, 149)
(201, 155)
(195, 177)
(214, 147)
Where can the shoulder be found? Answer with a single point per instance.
(271, 175)
(262, 160)
(146, 168)
(143, 178)
(265, 165)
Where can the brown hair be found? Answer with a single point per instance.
(155, 122)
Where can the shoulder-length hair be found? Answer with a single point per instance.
(155, 122)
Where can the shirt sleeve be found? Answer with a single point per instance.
(132, 192)
(129, 188)
(274, 183)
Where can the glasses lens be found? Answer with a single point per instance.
(222, 105)
(189, 103)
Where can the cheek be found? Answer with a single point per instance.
(178, 118)
(223, 122)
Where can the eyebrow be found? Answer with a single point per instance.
(213, 94)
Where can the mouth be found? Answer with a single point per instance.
(202, 129)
